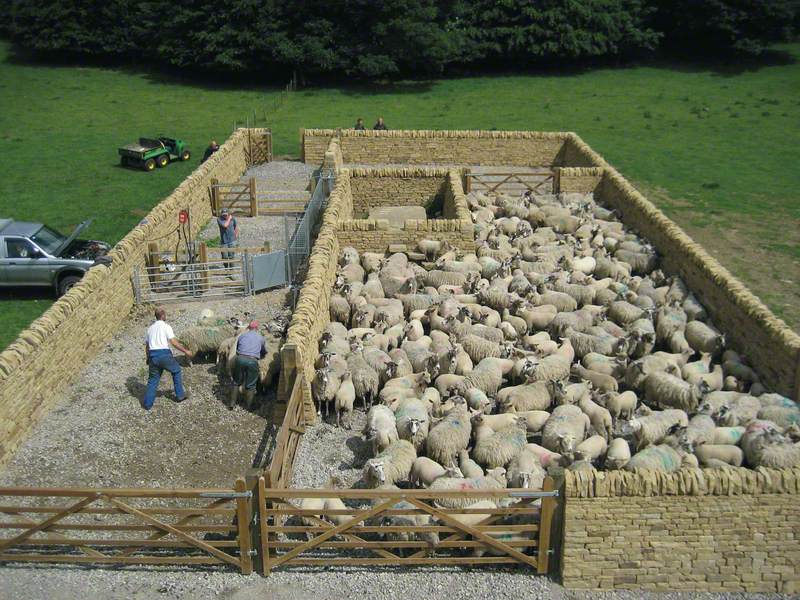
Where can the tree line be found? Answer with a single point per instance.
(378, 39)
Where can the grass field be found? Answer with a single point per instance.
(717, 149)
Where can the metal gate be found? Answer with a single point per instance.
(227, 277)
(536, 181)
(268, 270)
(299, 246)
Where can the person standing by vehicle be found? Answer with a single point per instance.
(159, 342)
(250, 347)
(359, 124)
(228, 234)
(380, 125)
(212, 147)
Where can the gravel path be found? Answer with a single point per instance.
(276, 175)
(98, 435)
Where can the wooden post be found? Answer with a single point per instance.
(244, 517)
(467, 181)
(267, 246)
(214, 197)
(545, 524)
(203, 256)
(253, 199)
(251, 480)
(263, 522)
(288, 372)
(557, 180)
(152, 263)
(269, 145)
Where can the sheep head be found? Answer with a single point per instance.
(376, 470)
(567, 444)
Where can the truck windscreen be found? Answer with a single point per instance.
(48, 239)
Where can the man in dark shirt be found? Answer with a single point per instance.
(380, 125)
(212, 147)
(228, 234)
(359, 125)
(250, 347)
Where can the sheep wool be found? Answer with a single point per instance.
(448, 437)
(390, 466)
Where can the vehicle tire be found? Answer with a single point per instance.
(149, 164)
(186, 155)
(66, 283)
(162, 160)
(123, 160)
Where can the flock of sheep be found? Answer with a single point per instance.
(556, 343)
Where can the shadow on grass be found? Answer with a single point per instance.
(27, 293)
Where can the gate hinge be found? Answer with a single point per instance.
(252, 552)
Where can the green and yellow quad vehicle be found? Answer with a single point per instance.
(150, 153)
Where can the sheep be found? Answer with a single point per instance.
(703, 338)
(565, 429)
(449, 436)
(529, 396)
(621, 404)
(500, 421)
(656, 458)
(780, 410)
(765, 446)
(478, 348)
(323, 388)
(726, 435)
(653, 428)
(624, 313)
(344, 399)
(425, 471)
(411, 416)
(618, 454)
(600, 381)
(729, 454)
(700, 430)
(740, 409)
(592, 448)
(392, 465)
(546, 457)
(551, 368)
(486, 377)
(572, 393)
(380, 428)
(525, 471)
(200, 339)
(409, 520)
(494, 479)
(665, 390)
(533, 420)
(469, 467)
(492, 448)
(365, 378)
(478, 400)
(599, 417)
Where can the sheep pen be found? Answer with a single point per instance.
(99, 436)
(558, 304)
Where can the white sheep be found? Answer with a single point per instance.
(621, 405)
(565, 429)
(653, 428)
(618, 454)
(344, 400)
(469, 467)
(425, 471)
(380, 428)
(412, 420)
(663, 389)
(525, 471)
(712, 454)
(703, 338)
(451, 435)
(496, 448)
(391, 465)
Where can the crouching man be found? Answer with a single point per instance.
(158, 345)
(250, 347)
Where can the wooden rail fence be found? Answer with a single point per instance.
(279, 474)
(243, 198)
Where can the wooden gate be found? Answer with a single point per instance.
(127, 526)
(405, 527)
(538, 181)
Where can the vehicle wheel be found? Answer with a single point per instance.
(123, 160)
(149, 164)
(162, 161)
(67, 283)
(185, 155)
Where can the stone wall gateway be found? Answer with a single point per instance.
(711, 530)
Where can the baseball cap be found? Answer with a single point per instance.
(253, 325)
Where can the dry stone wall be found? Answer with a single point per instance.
(580, 180)
(48, 355)
(414, 147)
(710, 530)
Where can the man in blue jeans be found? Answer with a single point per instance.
(228, 235)
(158, 345)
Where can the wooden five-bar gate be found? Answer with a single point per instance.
(260, 523)
(536, 181)
(244, 198)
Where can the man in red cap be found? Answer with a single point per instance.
(249, 348)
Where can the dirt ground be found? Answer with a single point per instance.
(98, 434)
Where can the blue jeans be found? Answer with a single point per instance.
(161, 360)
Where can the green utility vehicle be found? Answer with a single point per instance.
(151, 153)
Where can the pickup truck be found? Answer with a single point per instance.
(33, 254)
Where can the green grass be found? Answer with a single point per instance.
(718, 151)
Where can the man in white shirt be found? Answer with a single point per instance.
(158, 342)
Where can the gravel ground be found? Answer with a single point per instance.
(276, 175)
(74, 583)
(98, 435)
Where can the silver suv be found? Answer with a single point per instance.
(32, 254)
